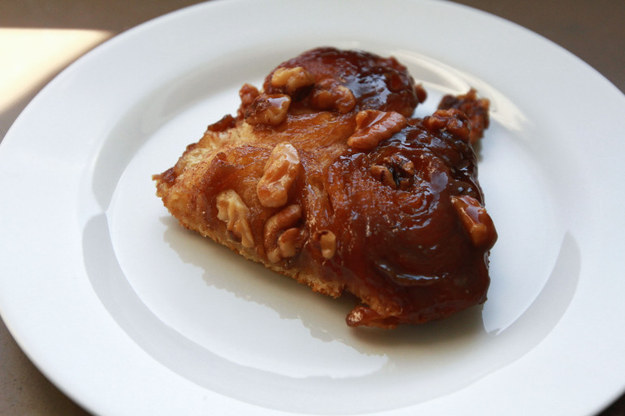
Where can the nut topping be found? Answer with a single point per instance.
(232, 210)
(269, 109)
(384, 175)
(397, 171)
(330, 95)
(475, 109)
(420, 92)
(327, 243)
(373, 126)
(248, 94)
(452, 120)
(475, 220)
(281, 170)
(290, 242)
(291, 79)
(278, 247)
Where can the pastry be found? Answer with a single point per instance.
(325, 176)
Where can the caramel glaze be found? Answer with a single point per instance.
(402, 247)
(376, 83)
(405, 248)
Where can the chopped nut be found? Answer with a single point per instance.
(475, 109)
(225, 123)
(248, 94)
(383, 174)
(330, 95)
(270, 109)
(277, 225)
(232, 210)
(291, 78)
(373, 126)
(401, 163)
(290, 242)
(420, 92)
(397, 171)
(452, 120)
(327, 243)
(281, 170)
(475, 220)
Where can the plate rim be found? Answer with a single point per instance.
(119, 39)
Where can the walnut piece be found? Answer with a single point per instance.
(291, 79)
(276, 227)
(475, 109)
(327, 243)
(374, 126)
(269, 109)
(281, 170)
(232, 210)
(475, 220)
(383, 174)
(328, 94)
(451, 120)
(420, 92)
(396, 171)
(248, 94)
(291, 241)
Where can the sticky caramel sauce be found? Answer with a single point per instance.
(401, 245)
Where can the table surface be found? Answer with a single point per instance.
(33, 50)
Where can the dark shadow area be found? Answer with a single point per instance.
(111, 15)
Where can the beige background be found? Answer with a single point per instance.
(38, 38)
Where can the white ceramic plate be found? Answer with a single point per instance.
(129, 314)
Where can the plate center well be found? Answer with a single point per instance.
(233, 327)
